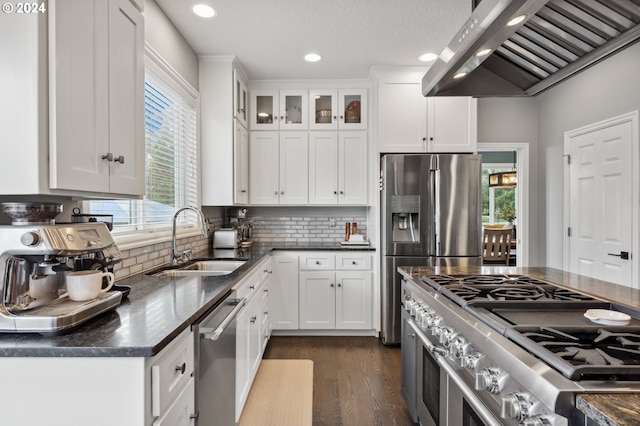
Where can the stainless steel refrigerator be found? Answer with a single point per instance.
(431, 214)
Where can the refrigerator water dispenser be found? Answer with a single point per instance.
(405, 218)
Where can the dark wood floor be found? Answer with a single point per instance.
(356, 380)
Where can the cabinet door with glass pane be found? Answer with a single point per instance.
(264, 113)
(338, 109)
(293, 109)
(352, 109)
(323, 108)
(279, 110)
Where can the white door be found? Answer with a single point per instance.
(317, 300)
(294, 168)
(323, 167)
(352, 168)
(353, 300)
(263, 162)
(600, 202)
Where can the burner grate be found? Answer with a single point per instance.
(587, 353)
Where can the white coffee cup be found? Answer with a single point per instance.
(87, 285)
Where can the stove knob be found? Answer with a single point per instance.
(31, 239)
(471, 360)
(447, 337)
(458, 347)
(489, 380)
(515, 407)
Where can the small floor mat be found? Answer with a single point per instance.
(281, 394)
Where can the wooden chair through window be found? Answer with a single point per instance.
(497, 245)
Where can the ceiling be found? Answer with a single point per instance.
(270, 37)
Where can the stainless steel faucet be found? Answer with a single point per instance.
(203, 225)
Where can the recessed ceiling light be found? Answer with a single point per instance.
(428, 57)
(516, 20)
(204, 11)
(312, 57)
(459, 75)
(483, 52)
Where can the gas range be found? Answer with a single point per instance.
(523, 346)
(549, 322)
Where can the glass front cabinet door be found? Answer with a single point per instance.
(338, 109)
(279, 109)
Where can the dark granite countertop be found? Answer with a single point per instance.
(155, 312)
(610, 409)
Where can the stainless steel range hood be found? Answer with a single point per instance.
(557, 39)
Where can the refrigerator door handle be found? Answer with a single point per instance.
(436, 207)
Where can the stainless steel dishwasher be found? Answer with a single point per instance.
(215, 350)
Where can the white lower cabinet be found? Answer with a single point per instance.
(181, 412)
(283, 299)
(252, 333)
(335, 299)
(333, 291)
(102, 391)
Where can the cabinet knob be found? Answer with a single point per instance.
(354, 262)
(317, 262)
(331, 285)
(275, 193)
(119, 159)
(253, 319)
(281, 192)
(335, 192)
(339, 284)
(108, 156)
(181, 368)
(282, 117)
(424, 139)
(341, 192)
(431, 138)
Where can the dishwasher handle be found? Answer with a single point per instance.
(214, 334)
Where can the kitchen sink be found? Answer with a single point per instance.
(203, 268)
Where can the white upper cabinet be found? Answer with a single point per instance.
(279, 110)
(279, 168)
(338, 168)
(338, 109)
(240, 98)
(409, 122)
(224, 137)
(96, 97)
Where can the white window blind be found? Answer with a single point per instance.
(171, 179)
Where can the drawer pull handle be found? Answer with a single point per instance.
(252, 287)
(181, 368)
(194, 416)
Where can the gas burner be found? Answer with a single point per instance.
(509, 291)
(484, 279)
(587, 353)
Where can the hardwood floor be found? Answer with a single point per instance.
(356, 380)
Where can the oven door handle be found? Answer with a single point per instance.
(477, 405)
(214, 334)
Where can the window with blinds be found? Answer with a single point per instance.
(170, 158)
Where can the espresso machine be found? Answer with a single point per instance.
(34, 259)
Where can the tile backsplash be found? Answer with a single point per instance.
(301, 229)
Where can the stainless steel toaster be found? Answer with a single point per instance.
(225, 238)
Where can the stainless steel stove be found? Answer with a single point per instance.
(513, 349)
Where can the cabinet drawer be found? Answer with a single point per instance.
(353, 261)
(171, 372)
(317, 261)
(181, 412)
